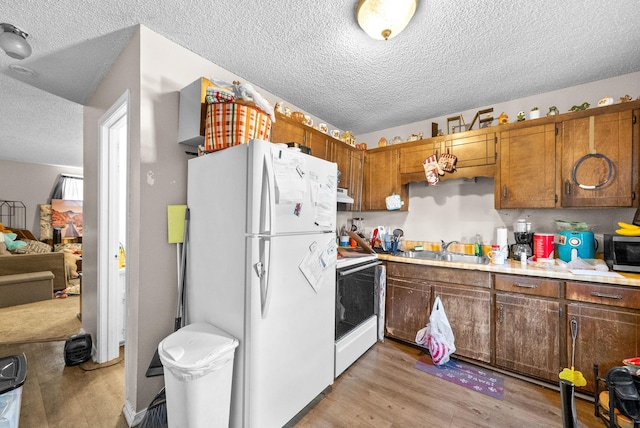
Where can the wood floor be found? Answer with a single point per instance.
(382, 389)
(56, 396)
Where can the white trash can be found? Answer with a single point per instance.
(198, 370)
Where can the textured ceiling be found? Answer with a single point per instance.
(453, 56)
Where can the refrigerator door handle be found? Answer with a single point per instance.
(270, 203)
(265, 294)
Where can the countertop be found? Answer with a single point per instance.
(515, 268)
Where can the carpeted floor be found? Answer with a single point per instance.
(44, 321)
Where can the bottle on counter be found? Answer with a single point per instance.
(478, 245)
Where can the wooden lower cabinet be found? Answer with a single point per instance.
(408, 307)
(606, 336)
(527, 320)
(608, 326)
(466, 296)
(468, 310)
(527, 334)
(518, 323)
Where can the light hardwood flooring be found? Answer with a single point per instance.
(57, 396)
(382, 389)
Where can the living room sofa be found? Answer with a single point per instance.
(30, 263)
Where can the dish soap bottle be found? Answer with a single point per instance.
(478, 245)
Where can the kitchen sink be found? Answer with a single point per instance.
(425, 255)
(446, 257)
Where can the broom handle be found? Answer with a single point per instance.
(574, 334)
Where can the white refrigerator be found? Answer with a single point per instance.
(261, 266)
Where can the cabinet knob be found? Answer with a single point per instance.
(504, 191)
(501, 313)
(567, 187)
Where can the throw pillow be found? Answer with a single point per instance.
(34, 247)
(3, 249)
(11, 243)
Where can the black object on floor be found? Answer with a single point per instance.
(622, 387)
(156, 415)
(77, 349)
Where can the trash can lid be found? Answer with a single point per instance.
(13, 372)
(196, 346)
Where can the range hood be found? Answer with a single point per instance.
(343, 196)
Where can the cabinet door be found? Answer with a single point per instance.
(341, 154)
(476, 150)
(527, 334)
(527, 168)
(355, 182)
(318, 142)
(469, 312)
(413, 155)
(285, 130)
(407, 308)
(606, 336)
(610, 135)
(381, 178)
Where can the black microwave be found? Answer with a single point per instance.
(622, 253)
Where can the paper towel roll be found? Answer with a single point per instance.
(501, 236)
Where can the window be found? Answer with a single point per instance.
(68, 187)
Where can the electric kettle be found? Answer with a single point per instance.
(572, 244)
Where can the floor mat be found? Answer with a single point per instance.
(465, 375)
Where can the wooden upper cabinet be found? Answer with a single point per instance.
(341, 154)
(596, 183)
(412, 157)
(350, 162)
(474, 150)
(381, 178)
(527, 177)
(286, 130)
(355, 182)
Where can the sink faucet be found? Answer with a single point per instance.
(445, 245)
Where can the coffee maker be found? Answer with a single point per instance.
(524, 240)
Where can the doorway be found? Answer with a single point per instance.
(112, 230)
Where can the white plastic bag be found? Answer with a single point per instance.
(437, 336)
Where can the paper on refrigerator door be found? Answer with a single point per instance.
(323, 198)
(290, 177)
(316, 261)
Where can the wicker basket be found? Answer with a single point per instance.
(230, 124)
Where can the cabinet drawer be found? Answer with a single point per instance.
(528, 285)
(439, 274)
(624, 297)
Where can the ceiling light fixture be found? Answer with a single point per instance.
(14, 41)
(384, 19)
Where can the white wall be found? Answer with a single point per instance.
(457, 209)
(32, 184)
(154, 69)
(563, 99)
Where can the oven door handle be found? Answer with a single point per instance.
(359, 268)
